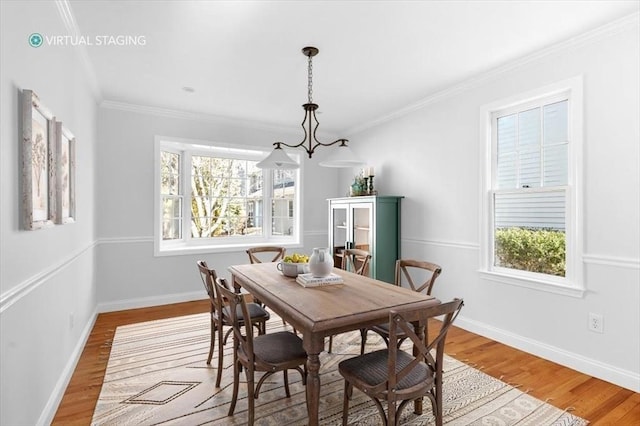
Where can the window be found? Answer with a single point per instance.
(214, 198)
(531, 214)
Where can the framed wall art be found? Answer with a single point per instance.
(65, 175)
(38, 163)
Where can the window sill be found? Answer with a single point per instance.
(534, 284)
(185, 249)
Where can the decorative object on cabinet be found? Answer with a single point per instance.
(370, 223)
(363, 183)
(341, 157)
(65, 175)
(38, 163)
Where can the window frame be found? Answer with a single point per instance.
(572, 284)
(189, 245)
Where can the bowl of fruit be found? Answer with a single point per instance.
(294, 264)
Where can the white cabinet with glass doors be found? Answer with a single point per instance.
(369, 223)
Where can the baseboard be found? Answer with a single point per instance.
(620, 377)
(50, 409)
(145, 302)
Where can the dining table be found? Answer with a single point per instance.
(318, 312)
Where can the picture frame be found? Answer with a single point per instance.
(65, 175)
(38, 163)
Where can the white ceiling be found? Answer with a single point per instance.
(244, 60)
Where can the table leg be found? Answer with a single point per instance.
(420, 332)
(313, 388)
(313, 345)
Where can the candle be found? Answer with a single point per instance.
(370, 171)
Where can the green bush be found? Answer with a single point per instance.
(535, 250)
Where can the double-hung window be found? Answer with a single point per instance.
(214, 198)
(531, 210)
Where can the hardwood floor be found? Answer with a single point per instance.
(598, 401)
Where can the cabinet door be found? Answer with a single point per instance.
(339, 232)
(361, 223)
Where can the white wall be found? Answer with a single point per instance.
(128, 273)
(436, 166)
(45, 275)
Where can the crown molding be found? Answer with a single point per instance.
(196, 116)
(69, 21)
(624, 24)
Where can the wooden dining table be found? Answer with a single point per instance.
(318, 312)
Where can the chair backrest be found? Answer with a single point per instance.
(401, 324)
(243, 339)
(208, 277)
(356, 260)
(409, 271)
(266, 254)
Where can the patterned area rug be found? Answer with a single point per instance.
(157, 375)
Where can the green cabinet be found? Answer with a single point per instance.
(369, 223)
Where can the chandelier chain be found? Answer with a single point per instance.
(310, 81)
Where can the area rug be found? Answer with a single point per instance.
(157, 375)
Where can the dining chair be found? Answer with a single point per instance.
(419, 276)
(268, 353)
(356, 261)
(266, 254)
(261, 254)
(393, 375)
(220, 315)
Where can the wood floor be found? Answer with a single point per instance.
(598, 401)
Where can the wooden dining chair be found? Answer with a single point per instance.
(266, 254)
(356, 261)
(268, 353)
(220, 315)
(262, 254)
(419, 276)
(393, 375)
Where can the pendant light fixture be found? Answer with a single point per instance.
(341, 157)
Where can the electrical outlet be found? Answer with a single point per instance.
(596, 322)
(71, 320)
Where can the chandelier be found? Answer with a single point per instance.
(341, 157)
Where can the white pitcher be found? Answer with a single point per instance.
(321, 262)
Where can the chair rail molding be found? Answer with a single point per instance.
(16, 293)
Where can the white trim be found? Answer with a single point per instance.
(594, 36)
(69, 21)
(16, 293)
(452, 244)
(618, 376)
(613, 261)
(128, 240)
(533, 284)
(196, 116)
(145, 302)
(48, 413)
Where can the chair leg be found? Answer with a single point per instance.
(330, 343)
(438, 408)
(220, 356)
(363, 339)
(286, 383)
(345, 404)
(213, 341)
(251, 400)
(236, 383)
